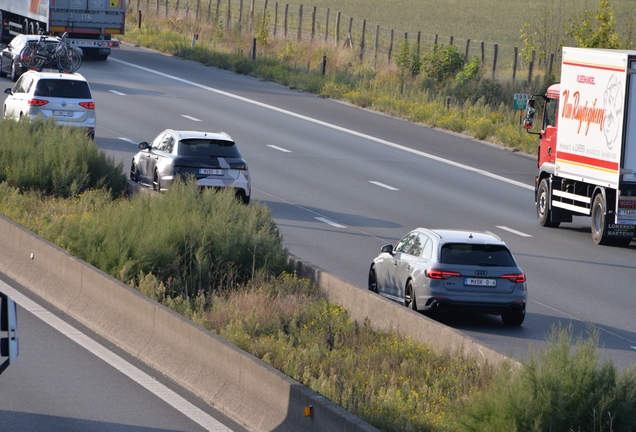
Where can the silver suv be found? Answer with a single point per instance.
(452, 270)
(66, 97)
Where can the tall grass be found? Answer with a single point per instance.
(56, 160)
(558, 389)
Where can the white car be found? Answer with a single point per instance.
(212, 158)
(66, 97)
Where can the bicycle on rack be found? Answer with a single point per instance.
(39, 54)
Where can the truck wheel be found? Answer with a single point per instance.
(544, 214)
(598, 221)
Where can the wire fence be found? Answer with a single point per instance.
(372, 41)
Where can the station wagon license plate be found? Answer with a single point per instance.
(208, 171)
(58, 113)
(480, 282)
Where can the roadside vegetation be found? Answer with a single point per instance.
(223, 265)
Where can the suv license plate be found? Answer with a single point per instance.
(58, 113)
(480, 282)
(207, 171)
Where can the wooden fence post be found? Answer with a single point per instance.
(419, 43)
(285, 20)
(209, 9)
(157, 11)
(531, 67)
(313, 23)
(376, 45)
(196, 15)
(338, 28)
(228, 19)
(483, 54)
(435, 43)
(390, 46)
(300, 22)
(451, 40)
(327, 25)
(514, 65)
(551, 63)
(494, 60)
(252, 15)
(265, 10)
(466, 52)
(364, 30)
(275, 17)
(240, 17)
(349, 36)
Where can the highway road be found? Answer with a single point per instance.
(342, 181)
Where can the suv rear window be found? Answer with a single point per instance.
(208, 147)
(477, 255)
(63, 89)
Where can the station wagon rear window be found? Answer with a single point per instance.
(63, 89)
(477, 255)
(208, 147)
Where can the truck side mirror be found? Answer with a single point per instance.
(527, 124)
(9, 324)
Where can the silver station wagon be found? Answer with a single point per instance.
(452, 270)
(213, 159)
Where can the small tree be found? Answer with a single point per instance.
(407, 59)
(443, 63)
(543, 35)
(595, 30)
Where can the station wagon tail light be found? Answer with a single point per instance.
(242, 165)
(516, 278)
(37, 102)
(87, 105)
(440, 274)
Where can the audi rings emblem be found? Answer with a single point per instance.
(481, 272)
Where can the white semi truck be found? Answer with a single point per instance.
(587, 144)
(90, 24)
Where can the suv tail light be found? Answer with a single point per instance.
(516, 278)
(37, 102)
(242, 165)
(87, 105)
(440, 274)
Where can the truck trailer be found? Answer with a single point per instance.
(89, 24)
(587, 144)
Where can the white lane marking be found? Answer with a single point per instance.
(519, 233)
(128, 140)
(190, 118)
(180, 404)
(330, 222)
(383, 185)
(117, 93)
(604, 330)
(332, 126)
(279, 148)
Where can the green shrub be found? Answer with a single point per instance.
(558, 390)
(60, 161)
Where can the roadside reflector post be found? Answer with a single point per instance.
(139, 23)
(324, 64)
(254, 49)
(195, 38)
(309, 410)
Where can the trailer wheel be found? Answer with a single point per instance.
(599, 234)
(544, 214)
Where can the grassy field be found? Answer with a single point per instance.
(493, 21)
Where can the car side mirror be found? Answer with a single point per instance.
(387, 249)
(8, 91)
(143, 145)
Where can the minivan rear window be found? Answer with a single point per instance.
(63, 89)
(208, 147)
(477, 255)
